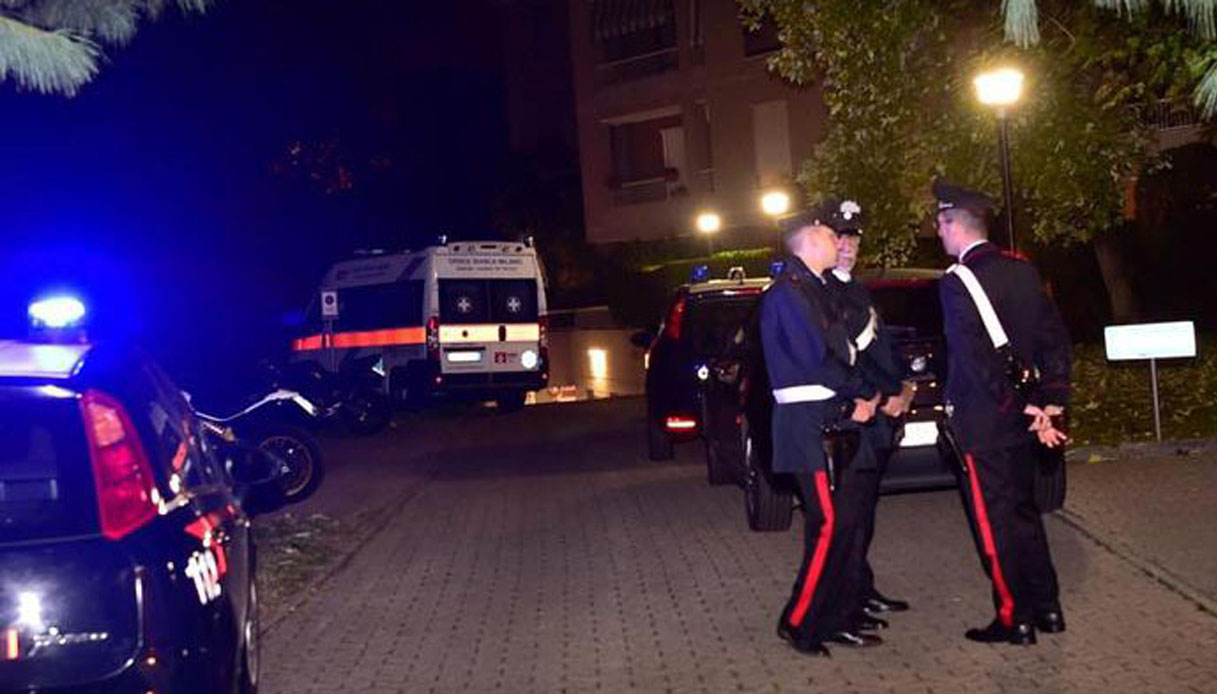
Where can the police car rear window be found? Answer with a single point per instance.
(46, 483)
(488, 301)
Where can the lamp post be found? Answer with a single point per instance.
(708, 224)
(1001, 89)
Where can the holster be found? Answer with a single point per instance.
(948, 438)
(840, 448)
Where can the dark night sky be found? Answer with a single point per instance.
(152, 191)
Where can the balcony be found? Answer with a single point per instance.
(1175, 122)
(637, 67)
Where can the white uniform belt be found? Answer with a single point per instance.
(813, 392)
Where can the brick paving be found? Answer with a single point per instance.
(569, 564)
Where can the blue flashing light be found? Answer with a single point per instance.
(776, 267)
(701, 273)
(57, 312)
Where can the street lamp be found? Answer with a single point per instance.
(775, 203)
(1001, 89)
(708, 224)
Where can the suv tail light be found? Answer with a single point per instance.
(121, 471)
(676, 316)
(682, 424)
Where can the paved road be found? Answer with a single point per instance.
(542, 553)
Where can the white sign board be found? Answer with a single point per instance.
(1150, 340)
(329, 304)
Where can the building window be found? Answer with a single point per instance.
(771, 135)
(648, 160)
(763, 39)
(633, 38)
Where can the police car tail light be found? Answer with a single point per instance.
(671, 326)
(121, 472)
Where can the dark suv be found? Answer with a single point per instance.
(126, 557)
(701, 318)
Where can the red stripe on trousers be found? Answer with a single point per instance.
(820, 555)
(1006, 611)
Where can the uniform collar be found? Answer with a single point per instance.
(842, 275)
(800, 269)
(970, 246)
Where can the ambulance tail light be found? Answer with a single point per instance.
(121, 471)
(543, 345)
(433, 337)
(676, 316)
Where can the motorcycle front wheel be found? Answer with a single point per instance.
(303, 467)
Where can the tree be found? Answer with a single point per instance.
(1022, 27)
(897, 82)
(54, 46)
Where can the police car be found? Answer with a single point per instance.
(126, 557)
(700, 320)
(464, 319)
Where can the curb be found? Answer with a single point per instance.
(382, 517)
(1142, 449)
(1160, 574)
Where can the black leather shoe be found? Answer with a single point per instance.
(868, 623)
(878, 604)
(1020, 634)
(804, 646)
(855, 639)
(1050, 622)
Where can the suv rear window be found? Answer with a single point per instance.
(909, 308)
(46, 479)
(712, 321)
(488, 301)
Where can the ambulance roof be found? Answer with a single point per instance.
(36, 360)
(395, 267)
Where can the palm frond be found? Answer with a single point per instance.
(1205, 96)
(1122, 6)
(45, 61)
(1200, 13)
(107, 20)
(1022, 22)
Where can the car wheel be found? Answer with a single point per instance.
(769, 504)
(718, 472)
(659, 444)
(1050, 479)
(251, 649)
(512, 401)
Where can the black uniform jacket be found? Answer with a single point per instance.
(986, 411)
(878, 364)
(804, 346)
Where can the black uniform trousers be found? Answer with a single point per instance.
(999, 499)
(820, 602)
(860, 494)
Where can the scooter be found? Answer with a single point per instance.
(272, 423)
(354, 395)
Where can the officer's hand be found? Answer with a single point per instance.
(864, 410)
(894, 406)
(1039, 419)
(1054, 410)
(1051, 437)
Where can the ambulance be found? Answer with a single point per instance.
(463, 319)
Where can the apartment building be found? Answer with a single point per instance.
(677, 114)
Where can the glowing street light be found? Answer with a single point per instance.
(1001, 89)
(708, 224)
(775, 203)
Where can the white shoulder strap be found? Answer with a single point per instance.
(987, 315)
